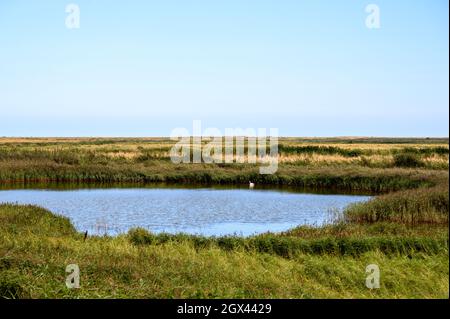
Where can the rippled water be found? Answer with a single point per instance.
(203, 211)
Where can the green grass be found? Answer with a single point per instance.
(289, 247)
(328, 150)
(345, 178)
(408, 159)
(422, 205)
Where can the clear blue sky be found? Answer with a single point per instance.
(142, 68)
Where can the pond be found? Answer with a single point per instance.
(203, 211)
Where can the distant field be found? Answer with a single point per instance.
(141, 153)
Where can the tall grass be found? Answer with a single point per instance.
(423, 205)
(344, 178)
(408, 159)
(289, 247)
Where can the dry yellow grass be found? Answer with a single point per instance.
(376, 154)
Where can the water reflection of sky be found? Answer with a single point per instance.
(195, 211)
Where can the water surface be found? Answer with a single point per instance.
(205, 211)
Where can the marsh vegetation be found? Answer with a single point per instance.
(404, 229)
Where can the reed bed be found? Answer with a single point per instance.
(423, 205)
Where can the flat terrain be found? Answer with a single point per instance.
(404, 229)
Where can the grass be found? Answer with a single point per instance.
(408, 159)
(404, 229)
(289, 247)
(423, 205)
(338, 164)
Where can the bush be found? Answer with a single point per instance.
(408, 160)
(140, 236)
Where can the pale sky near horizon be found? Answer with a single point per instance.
(143, 68)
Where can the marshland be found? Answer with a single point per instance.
(400, 223)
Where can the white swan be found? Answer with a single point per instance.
(251, 185)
